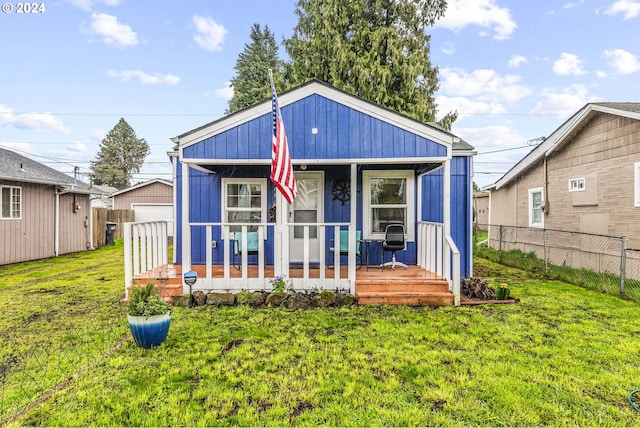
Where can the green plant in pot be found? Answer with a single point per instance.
(149, 316)
(502, 291)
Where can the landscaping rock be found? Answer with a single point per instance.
(221, 299)
(298, 301)
(276, 299)
(254, 299)
(344, 299)
(324, 299)
(181, 300)
(199, 298)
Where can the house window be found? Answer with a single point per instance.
(11, 202)
(536, 202)
(388, 197)
(636, 184)
(577, 185)
(244, 201)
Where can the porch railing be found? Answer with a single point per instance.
(278, 248)
(438, 253)
(145, 249)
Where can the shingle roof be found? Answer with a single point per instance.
(630, 107)
(16, 167)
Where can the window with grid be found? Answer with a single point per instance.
(536, 203)
(388, 198)
(244, 201)
(11, 202)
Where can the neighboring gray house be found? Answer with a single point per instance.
(43, 212)
(103, 197)
(151, 200)
(584, 177)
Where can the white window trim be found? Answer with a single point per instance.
(636, 184)
(577, 180)
(11, 217)
(263, 199)
(530, 206)
(367, 175)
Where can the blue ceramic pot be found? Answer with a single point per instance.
(150, 331)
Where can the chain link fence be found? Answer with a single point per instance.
(30, 373)
(599, 262)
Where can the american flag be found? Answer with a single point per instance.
(281, 167)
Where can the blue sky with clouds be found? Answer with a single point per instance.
(514, 70)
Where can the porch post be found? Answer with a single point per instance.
(352, 229)
(281, 255)
(446, 212)
(186, 229)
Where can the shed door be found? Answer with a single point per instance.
(307, 207)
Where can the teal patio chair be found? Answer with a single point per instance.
(344, 246)
(252, 247)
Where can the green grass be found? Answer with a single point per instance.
(563, 356)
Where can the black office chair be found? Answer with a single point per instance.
(393, 241)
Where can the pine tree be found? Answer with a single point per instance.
(374, 49)
(121, 155)
(251, 83)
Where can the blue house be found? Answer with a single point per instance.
(359, 167)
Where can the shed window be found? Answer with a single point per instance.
(577, 185)
(388, 197)
(244, 201)
(11, 202)
(536, 202)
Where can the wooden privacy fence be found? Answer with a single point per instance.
(102, 216)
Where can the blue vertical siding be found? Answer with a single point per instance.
(342, 133)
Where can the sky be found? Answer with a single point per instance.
(514, 70)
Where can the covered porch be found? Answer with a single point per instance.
(435, 280)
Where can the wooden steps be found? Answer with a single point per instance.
(404, 291)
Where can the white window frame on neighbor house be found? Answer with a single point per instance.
(10, 202)
(408, 205)
(577, 184)
(636, 184)
(532, 220)
(244, 181)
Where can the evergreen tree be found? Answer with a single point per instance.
(375, 49)
(121, 155)
(251, 83)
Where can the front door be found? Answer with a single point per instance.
(307, 207)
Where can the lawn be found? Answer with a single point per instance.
(562, 356)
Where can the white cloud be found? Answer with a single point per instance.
(602, 74)
(486, 85)
(144, 78)
(22, 148)
(97, 134)
(32, 121)
(568, 64)
(448, 49)
(516, 61)
(76, 151)
(564, 102)
(622, 61)
(226, 92)
(629, 8)
(88, 4)
(484, 13)
(467, 107)
(209, 34)
(112, 32)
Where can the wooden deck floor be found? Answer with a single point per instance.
(412, 286)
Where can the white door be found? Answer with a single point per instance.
(154, 212)
(307, 207)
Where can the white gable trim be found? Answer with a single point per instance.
(365, 107)
(143, 184)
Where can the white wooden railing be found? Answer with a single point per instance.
(279, 247)
(145, 249)
(439, 254)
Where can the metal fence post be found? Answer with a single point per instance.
(545, 252)
(500, 243)
(623, 264)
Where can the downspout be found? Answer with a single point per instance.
(56, 228)
(545, 189)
